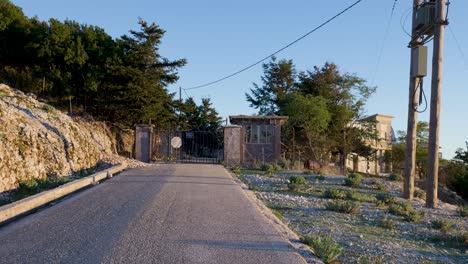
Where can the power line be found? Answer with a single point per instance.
(465, 60)
(278, 51)
(387, 31)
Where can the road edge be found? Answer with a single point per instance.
(28, 204)
(289, 235)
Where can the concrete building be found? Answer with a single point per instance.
(253, 140)
(386, 137)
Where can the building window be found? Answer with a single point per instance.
(258, 134)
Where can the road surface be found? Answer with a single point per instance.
(169, 213)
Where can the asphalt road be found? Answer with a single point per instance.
(161, 214)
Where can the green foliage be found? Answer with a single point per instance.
(357, 196)
(277, 167)
(381, 187)
(384, 199)
(122, 80)
(324, 247)
(320, 178)
(334, 194)
(268, 168)
(462, 210)
(236, 170)
(406, 210)
(277, 81)
(296, 182)
(395, 177)
(387, 223)
(451, 240)
(33, 186)
(346, 207)
(353, 179)
(420, 194)
(48, 108)
(277, 213)
(444, 225)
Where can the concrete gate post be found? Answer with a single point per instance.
(233, 145)
(143, 142)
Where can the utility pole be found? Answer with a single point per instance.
(434, 122)
(410, 156)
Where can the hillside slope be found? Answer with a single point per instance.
(37, 141)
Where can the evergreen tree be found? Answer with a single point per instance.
(277, 81)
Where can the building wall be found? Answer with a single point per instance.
(385, 135)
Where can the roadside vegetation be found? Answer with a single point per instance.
(363, 222)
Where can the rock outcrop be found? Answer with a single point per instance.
(37, 140)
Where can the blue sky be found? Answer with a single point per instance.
(219, 37)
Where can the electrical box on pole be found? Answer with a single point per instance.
(419, 63)
(425, 18)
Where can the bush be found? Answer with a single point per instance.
(353, 179)
(236, 170)
(356, 196)
(381, 187)
(406, 210)
(387, 223)
(346, 207)
(462, 211)
(324, 247)
(277, 167)
(319, 178)
(295, 182)
(297, 179)
(395, 177)
(267, 167)
(420, 194)
(443, 225)
(334, 194)
(384, 199)
(413, 217)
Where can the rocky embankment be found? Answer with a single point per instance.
(37, 140)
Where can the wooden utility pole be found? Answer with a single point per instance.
(410, 156)
(434, 122)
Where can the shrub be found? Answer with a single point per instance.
(236, 170)
(420, 194)
(334, 194)
(384, 199)
(356, 196)
(277, 167)
(387, 223)
(319, 178)
(346, 207)
(324, 247)
(47, 108)
(413, 217)
(353, 179)
(307, 172)
(443, 225)
(267, 167)
(297, 179)
(396, 177)
(462, 211)
(295, 182)
(406, 210)
(381, 187)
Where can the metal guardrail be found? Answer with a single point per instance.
(25, 205)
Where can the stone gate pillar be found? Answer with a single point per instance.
(233, 145)
(143, 142)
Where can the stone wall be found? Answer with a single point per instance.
(37, 141)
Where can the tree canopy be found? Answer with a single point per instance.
(122, 80)
(326, 108)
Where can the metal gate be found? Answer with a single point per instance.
(188, 146)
